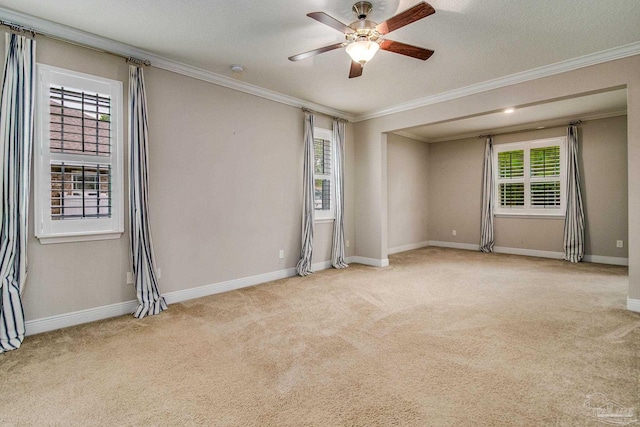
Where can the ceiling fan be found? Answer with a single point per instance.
(364, 38)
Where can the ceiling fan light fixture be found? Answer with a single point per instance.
(362, 51)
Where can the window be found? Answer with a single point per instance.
(530, 177)
(78, 157)
(323, 194)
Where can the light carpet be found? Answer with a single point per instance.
(440, 337)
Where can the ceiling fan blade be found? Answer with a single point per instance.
(330, 21)
(315, 52)
(419, 11)
(406, 49)
(356, 69)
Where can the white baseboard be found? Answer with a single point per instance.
(318, 266)
(373, 262)
(633, 305)
(455, 245)
(606, 260)
(98, 313)
(78, 317)
(408, 247)
(528, 252)
(119, 309)
(230, 285)
(532, 252)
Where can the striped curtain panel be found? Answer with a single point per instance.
(337, 249)
(304, 265)
(16, 139)
(486, 233)
(142, 257)
(574, 217)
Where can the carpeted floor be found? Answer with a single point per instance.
(441, 337)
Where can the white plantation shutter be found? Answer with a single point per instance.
(511, 178)
(545, 177)
(78, 163)
(511, 164)
(511, 194)
(80, 149)
(80, 191)
(323, 174)
(530, 176)
(545, 194)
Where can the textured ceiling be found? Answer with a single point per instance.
(474, 41)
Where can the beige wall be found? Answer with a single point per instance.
(455, 169)
(225, 193)
(455, 197)
(370, 199)
(407, 190)
(371, 144)
(603, 154)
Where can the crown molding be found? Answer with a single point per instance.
(92, 41)
(545, 124)
(524, 76)
(102, 44)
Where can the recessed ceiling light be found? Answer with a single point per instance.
(509, 110)
(237, 68)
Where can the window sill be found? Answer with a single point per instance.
(70, 238)
(529, 216)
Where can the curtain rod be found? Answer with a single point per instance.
(574, 123)
(34, 32)
(18, 28)
(308, 110)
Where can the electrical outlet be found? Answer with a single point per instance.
(129, 278)
(158, 273)
(281, 253)
(347, 243)
(619, 244)
(454, 232)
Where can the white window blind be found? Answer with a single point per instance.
(530, 177)
(79, 167)
(323, 174)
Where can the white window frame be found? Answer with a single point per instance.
(527, 210)
(82, 229)
(319, 214)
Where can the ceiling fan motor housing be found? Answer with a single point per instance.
(361, 9)
(364, 29)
